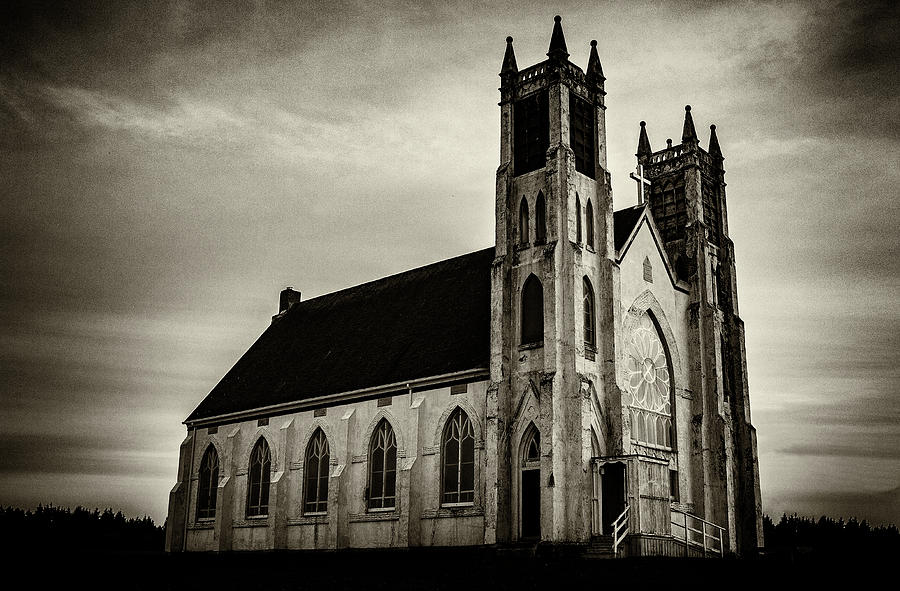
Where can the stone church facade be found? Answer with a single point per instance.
(583, 381)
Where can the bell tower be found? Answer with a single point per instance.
(551, 284)
(686, 196)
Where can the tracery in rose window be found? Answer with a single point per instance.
(648, 379)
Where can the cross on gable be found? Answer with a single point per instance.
(641, 181)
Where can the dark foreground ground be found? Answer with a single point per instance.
(450, 569)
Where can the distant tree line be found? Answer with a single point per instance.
(49, 527)
(799, 537)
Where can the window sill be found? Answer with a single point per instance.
(527, 346)
(205, 524)
(453, 512)
(381, 510)
(590, 249)
(652, 445)
(379, 515)
(521, 247)
(457, 505)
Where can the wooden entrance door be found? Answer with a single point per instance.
(612, 494)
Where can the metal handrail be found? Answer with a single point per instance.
(710, 542)
(620, 524)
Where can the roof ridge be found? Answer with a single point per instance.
(386, 278)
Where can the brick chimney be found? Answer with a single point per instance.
(288, 299)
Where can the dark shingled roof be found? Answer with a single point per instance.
(425, 322)
(623, 223)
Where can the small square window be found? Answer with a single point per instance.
(459, 389)
(262, 422)
(386, 401)
(320, 412)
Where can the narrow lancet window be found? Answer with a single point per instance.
(523, 222)
(382, 489)
(208, 484)
(532, 311)
(258, 479)
(589, 224)
(577, 219)
(458, 456)
(590, 320)
(315, 469)
(540, 220)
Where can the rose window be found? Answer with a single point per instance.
(648, 380)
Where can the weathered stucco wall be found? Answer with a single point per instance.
(418, 420)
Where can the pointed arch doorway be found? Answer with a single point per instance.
(530, 486)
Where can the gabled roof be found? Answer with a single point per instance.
(429, 321)
(624, 222)
(627, 223)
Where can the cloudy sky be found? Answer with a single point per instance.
(168, 167)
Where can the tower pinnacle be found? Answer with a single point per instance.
(509, 59)
(558, 41)
(594, 69)
(643, 142)
(689, 135)
(714, 149)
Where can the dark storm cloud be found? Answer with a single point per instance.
(839, 72)
(81, 454)
(881, 508)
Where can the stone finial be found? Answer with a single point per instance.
(714, 149)
(594, 69)
(643, 142)
(689, 134)
(509, 59)
(558, 41)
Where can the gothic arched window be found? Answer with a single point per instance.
(382, 489)
(258, 479)
(648, 380)
(589, 224)
(315, 470)
(532, 450)
(540, 220)
(458, 459)
(577, 219)
(590, 318)
(532, 311)
(523, 222)
(208, 485)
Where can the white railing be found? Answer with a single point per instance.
(697, 532)
(619, 530)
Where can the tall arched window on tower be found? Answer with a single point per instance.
(315, 470)
(258, 478)
(648, 381)
(540, 220)
(458, 459)
(590, 319)
(208, 484)
(532, 311)
(523, 222)
(382, 490)
(589, 224)
(577, 219)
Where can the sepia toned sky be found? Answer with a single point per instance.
(167, 168)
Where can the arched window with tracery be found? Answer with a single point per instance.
(523, 222)
(258, 479)
(590, 318)
(315, 470)
(532, 311)
(208, 484)
(648, 381)
(577, 219)
(382, 490)
(458, 460)
(589, 224)
(540, 220)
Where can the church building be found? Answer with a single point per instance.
(581, 382)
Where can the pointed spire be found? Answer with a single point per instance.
(594, 69)
(558, 40)
(689, 135)
(643, 142)
(509, 59)
(714, 149)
